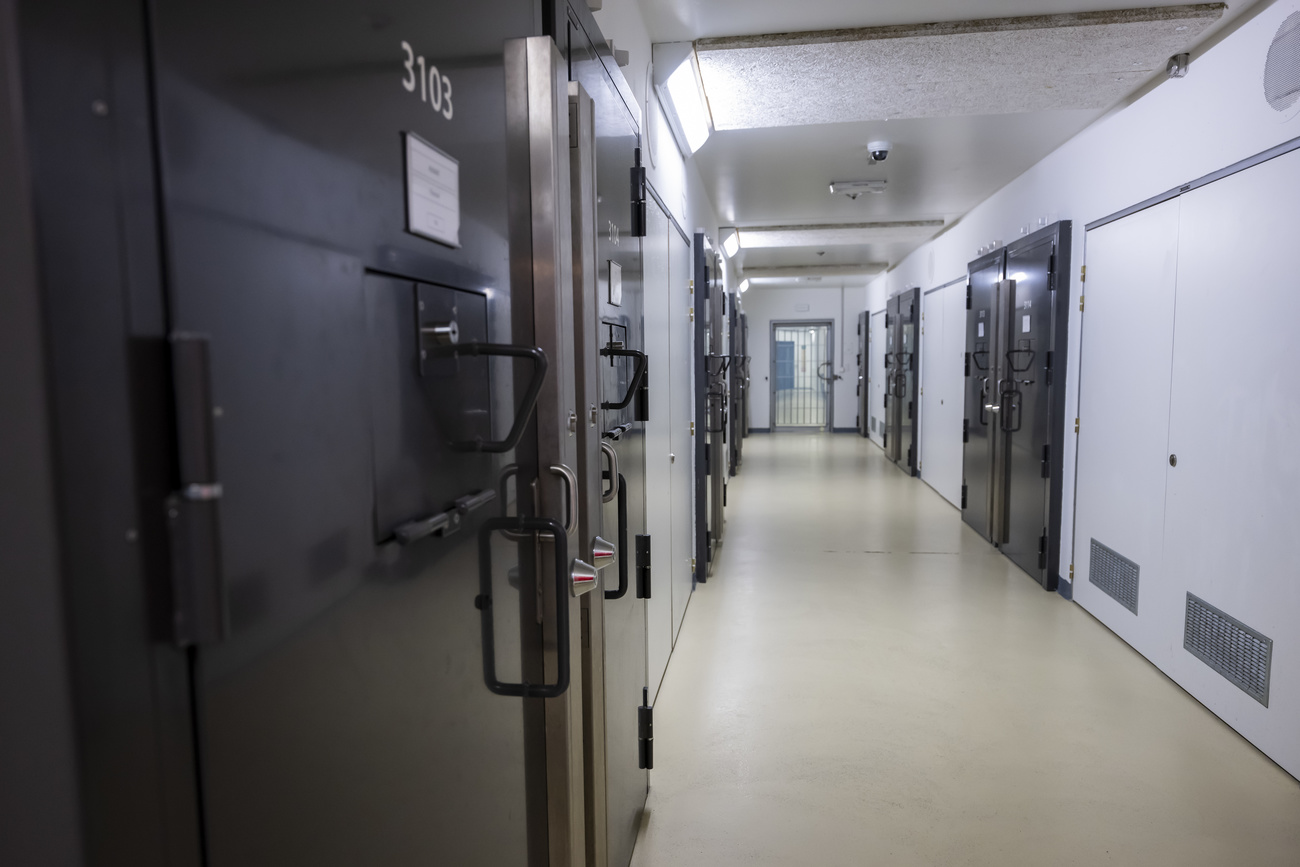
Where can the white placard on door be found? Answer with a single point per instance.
(432, 192)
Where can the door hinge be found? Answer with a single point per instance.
(645, 731)
(1076, 425)
(638, 196)
(692, 428)
(193, 514)
(643, 566)
(1051, 271)
(1080, 303)
(968, 297)
(965, 430)
(1083, 273)
(963, 496)
(692, 312)
(1047, 460)
(1071, 573)
(968, 364)
(1042, 551)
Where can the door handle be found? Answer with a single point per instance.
(571, 484)
(524, 412)
(638, 375)
(483, 602)
(612, 473)
(622, 543)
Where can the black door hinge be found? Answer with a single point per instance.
(968, 297)
(965, 430)
(911, 457)
(643, 566)
(968, 364)
(638, 197)
(911, 410)
(645, 732)
(1042, 551)
(963, 496)
(857, 421)
(199, 613)
(641, 410)
(1047, 461)
(1051, 272)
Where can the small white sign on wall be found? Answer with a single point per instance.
(801, 308)
(1024, 325)
(432, 192)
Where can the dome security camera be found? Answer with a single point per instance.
(879, 150)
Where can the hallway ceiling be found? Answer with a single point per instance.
(790, 119)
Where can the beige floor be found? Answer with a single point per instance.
(864, 681)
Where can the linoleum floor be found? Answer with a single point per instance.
(865, 681)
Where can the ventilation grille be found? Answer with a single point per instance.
(1115, 574)
(1282, 68)
(1228, 646)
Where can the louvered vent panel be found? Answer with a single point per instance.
(1230, 647)
(1115, 574)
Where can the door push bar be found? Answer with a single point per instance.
(638, 376)
(483, 602)
(439, 335)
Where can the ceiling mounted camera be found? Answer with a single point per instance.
(879, 150)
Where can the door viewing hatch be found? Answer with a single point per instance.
(801, 375)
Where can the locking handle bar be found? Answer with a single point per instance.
(621, 487)
(638, 375)
(443, 523)
(483, 602)
(525, 410)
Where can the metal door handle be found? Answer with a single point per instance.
(571, 482)
(602, 553)
(483, 602)
(637, 375)
(612, 473)
(525, 411)
(622, 543)
(583, 578)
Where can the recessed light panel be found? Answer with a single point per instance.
(901, 231)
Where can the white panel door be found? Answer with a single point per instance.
(943, 346)
(1125, 358)
(1232, 513)
(876, 405)
(682, 409)
(658, 481)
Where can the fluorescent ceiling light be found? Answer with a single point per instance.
(815, 272)
(731, 246)
(853, 189)
(743, 287)
(677, 81)
(901, 231)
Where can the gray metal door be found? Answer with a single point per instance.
(864, 373)
(981, 382)
(907, 360)
(1025, 395)
(614, 662)
(892, 387)
(802, 375)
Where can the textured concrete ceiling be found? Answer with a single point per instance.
(971, 136)
(988, 67)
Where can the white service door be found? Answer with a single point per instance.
(682, 411)
(658, 480)
(876, 405)
(1232, 514)
(1126, 353)
(943, 348)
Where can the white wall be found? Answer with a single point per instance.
(1179, 131)
(763, 305)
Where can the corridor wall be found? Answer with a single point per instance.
(1178, 130)
(763, 305)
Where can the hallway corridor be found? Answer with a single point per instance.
(865, 681)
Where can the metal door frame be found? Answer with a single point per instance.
(771, 391)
